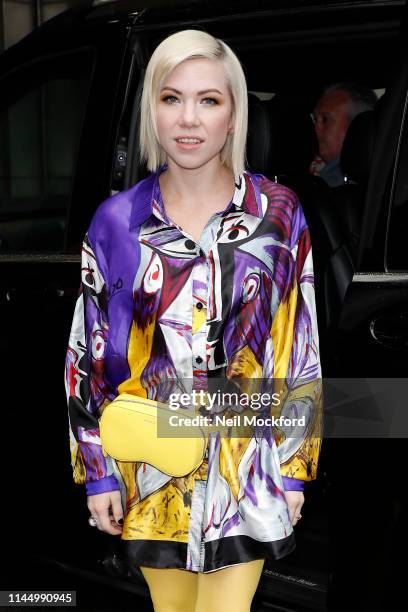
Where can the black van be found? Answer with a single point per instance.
(68, 139)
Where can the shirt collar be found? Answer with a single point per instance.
(147, 200)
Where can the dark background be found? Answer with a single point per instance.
(19, 17)
(362, 521)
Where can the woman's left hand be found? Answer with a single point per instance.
(295, 501)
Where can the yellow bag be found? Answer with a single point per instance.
(128, 429)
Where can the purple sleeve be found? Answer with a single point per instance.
(297, 359)
(86, 388)
(293, 484)
(103, 485)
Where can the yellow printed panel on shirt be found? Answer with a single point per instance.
(140, 347)
(282, 333)
(162, 515)
(303, 465)
(199, 319)
(231, 452)
(244, 365)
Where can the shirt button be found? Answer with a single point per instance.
(199, 306)
(199, 360)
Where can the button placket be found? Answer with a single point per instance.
(199, 319)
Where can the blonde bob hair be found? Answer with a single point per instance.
(190, 44)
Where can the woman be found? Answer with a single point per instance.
(200, 270)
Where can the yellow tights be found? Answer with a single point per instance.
(226, 590)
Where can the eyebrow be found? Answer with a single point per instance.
(203, 91)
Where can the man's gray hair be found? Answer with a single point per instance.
(362, 98)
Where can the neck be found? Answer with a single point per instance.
(195, 186)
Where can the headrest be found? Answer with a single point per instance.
(281, 137)
(258, 140)
(293, 137)
(358, 146)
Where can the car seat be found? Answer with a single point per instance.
(355, 162)
(281, 145)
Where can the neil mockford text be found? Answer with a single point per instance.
(238, 420)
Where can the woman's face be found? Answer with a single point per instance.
(194, 102)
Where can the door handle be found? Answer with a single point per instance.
(391, 330)
(13, 294)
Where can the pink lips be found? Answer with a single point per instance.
(187, 145)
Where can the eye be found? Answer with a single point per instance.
(181, 248)
(98, 344)
(212, 101)
(153, 278)
(325, 119)
(87, 277)
(237, 231)
(170, 99)
(250, 287)
(90, 274)
(235, 227)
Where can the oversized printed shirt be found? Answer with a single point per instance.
(155, 307)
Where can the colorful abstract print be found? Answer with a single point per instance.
(158, 312)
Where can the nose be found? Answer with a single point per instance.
(319, 124)
(319, 129)
(189, 115)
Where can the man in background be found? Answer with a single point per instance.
(333, 113)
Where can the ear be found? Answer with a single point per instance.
(231, 123)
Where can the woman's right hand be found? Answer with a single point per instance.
(99, 507)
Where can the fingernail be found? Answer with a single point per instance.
(120, 521)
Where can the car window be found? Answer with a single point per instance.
(40, 123)
(397, 252)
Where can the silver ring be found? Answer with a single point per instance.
(93, 521)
